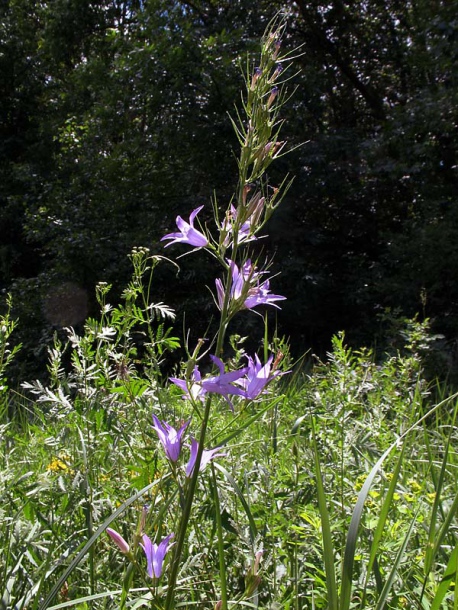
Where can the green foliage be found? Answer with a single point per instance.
(121, 352)
(7, 354)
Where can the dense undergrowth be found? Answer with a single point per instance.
(73, 454)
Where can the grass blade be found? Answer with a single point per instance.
(447, 580)
(328, 548)
(381, 521)
(241, 497)
(350, 546)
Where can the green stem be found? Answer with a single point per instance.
(219, 529)
(178, 549)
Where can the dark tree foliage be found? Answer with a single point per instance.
(114, 119)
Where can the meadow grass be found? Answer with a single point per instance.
(84, 450)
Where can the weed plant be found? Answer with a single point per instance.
(246, 483)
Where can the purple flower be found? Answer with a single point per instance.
(261, 295)
(207, 455)
(244, 233)
(222, 383)
(155, 554)
(241, 281)
(170, 438)
(188, 234)
(216, 384)
(257, 377)
(246, 284)
(118, 540)
(191, 390)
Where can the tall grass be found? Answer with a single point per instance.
(351, 496)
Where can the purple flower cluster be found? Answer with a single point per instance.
(247, 287)
(248, 382)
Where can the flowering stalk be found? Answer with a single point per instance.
(243, 287)
(219, 531)
(169, 601)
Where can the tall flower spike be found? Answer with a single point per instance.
(188, 234)
(170, 439)
(155, 554)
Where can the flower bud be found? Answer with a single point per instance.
(272, 96)
(257, 211)
(278, 70)
(257, 73)
(246, 189)
(257, 561)
(143, 518)
(277, 48)
(118, 540)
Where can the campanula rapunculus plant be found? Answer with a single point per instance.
(244, 285)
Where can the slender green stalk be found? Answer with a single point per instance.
(328, 548)
(190, 492)
(382, 521)
(219, 531)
